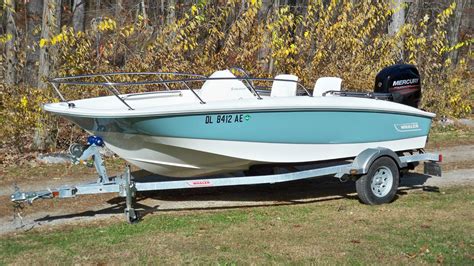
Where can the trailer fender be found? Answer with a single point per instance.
(364, 160)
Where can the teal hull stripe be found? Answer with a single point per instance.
(309, 127)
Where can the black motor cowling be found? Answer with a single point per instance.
(402, 81)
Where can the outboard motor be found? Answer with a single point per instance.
(402, 81)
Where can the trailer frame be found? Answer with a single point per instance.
(126, 185)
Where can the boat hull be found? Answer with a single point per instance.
(202, 144)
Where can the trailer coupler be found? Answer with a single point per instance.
(121, 184)
(29, 197)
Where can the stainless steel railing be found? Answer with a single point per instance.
(184, 78)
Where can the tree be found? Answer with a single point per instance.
(162, 11)
(118, 9)
(398, 17)
(33, 9)
(50, 27)
(78, 15)
(453, 35)
(398, 20)
(263, 13)
(143, 9)
(171, 16)
(11, 55)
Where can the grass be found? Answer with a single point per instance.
(38, 172)
(420, 227)
(450, 136)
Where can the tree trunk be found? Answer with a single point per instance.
(453, 36)
(153, 7)
(262, 18)
(78, 15)
(34, 9)
(276, 6)
(414, 11)
(162, 9)
(50, 27)
(264, 9)
(398, 20)
(119, 10)
(11, 55)
(171, 16)
(143, 10)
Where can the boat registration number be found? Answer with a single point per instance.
(227, 118)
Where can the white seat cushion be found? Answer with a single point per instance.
(284, 88)
(225, 89)
(325, 84)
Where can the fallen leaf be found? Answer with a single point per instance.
(440, 259)
(424, 249)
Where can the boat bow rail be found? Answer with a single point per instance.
(107, 80)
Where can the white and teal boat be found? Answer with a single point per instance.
(226, 124)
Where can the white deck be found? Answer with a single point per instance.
(168, 103)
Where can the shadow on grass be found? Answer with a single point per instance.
(290, 193)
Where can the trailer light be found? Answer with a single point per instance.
(55, 194)
(440, 158)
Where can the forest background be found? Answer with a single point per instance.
(351, 39)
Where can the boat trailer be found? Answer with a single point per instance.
(126, 186)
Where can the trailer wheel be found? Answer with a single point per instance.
(380, 184)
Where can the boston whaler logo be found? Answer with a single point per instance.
(407, 127)
(200, 183)
(405, 82)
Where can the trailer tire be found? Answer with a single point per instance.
(380, 184)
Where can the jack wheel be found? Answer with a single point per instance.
(380, 184)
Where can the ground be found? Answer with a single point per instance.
(431, 205)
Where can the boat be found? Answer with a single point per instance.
(195, 125)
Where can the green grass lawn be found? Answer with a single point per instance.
(419, 227)
(450, 136)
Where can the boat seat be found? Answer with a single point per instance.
(284, 88)
(226, 89)
(325, 84)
